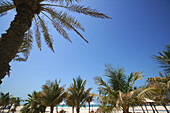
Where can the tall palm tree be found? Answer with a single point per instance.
(33, 104)
(30, 11)
(78, 92)
(89, 99)
(164, 59)
(118, 89)
(4, 99)
(158, 90)
(52, 94)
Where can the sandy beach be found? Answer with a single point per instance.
(85, 109)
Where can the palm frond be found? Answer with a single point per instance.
(59, 28)
(164, 59)
(100, 82)
(137, 76)
(5, 6)
(25, 47)
(63, 19)
(63, 1)
(149, 92)
(37, 33)
(82, 9)
(47, 36)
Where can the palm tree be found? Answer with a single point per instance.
(90, 99)
(15, 103)
(52, 94)
(70, 100)
(104, 99)
(164, 59)
(78, 92)
(30, 11)
(4, 99)
(33, 104)
(158, 90)
(118, 89)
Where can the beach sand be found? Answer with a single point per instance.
(86, 109)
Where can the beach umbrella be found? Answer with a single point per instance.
(151, 102)
(148, 100)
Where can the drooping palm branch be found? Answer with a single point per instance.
(25, 48)
(60, 20)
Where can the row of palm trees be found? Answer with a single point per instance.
(6, 101)
(118, 90)
(52, 94)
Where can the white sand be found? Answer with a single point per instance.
(85, 109)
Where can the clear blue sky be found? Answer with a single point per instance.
(139, 29)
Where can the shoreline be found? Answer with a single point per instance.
(138, 109)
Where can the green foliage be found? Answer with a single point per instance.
(33, 104)
(118, 90)
(77, 92)
(157, 90)
(15, 102)
(4, 99)
(164, 59)
(52, 93)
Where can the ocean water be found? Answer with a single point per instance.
(82, 106)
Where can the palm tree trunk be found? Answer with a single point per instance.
(133, 109)
(142, 108)
(51, 109)
(165, 108)
(152, 108)
(155, 108)
(72, 109)
(78, 109)
(146, 108)
(125, 109)
(57, 109)
(13, 38)
(89, 107)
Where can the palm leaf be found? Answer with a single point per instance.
(136, 76)
(164, 59)
(25, 47)
(5, 6)
(64, 1)
(71, 20)
(82, 9)
(47, 37)
(59, 28)
(37, 33)
(62, 18)
(149, 92)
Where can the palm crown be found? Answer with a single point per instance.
(77, 93)
(61, 21)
